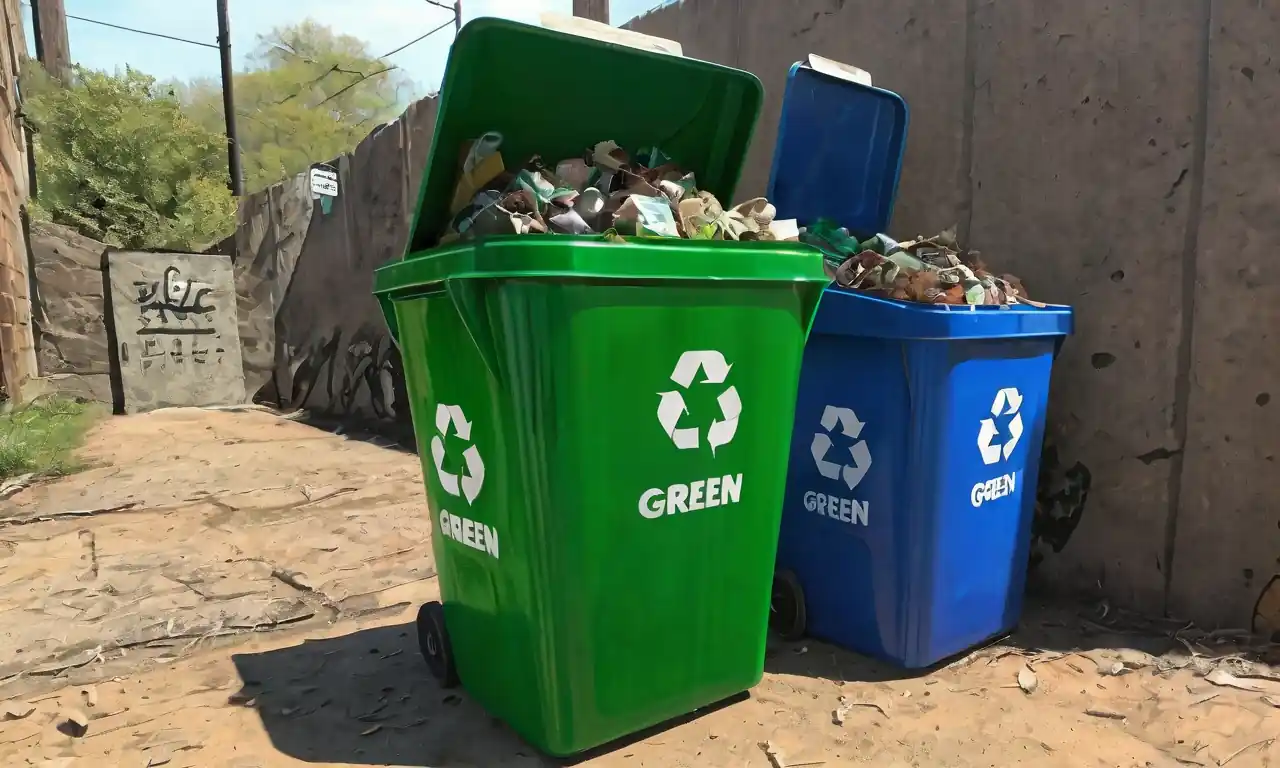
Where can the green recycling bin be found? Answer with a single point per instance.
(603, 426)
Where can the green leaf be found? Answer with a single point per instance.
(139, 163)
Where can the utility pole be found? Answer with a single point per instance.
(235, 183)
(53, 48)
(596, 10)
(457, 17)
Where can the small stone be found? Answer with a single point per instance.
(73, 722)
(1027, 680)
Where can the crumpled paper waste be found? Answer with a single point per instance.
(928, 270)
(605, 191)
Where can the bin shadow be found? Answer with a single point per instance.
(367, 698)
(1048, 626)
(392, 435)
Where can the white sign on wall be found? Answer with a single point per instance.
(324, 182)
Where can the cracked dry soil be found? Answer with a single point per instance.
(233, 588)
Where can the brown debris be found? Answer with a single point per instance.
(607, 191)
(932, 270)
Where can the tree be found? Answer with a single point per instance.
(119, 160)
(308, 95)
(140, 164)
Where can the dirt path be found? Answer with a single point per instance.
(254, 608)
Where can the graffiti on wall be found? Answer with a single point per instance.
(1266, 611)
(1061, 494)
(341, 378)
(175, 322)
(175, 330)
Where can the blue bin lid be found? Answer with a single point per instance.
(839, 152)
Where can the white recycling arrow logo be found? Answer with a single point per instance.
(859, 452)
(1008, 402)
(470, 483)
(671, 407)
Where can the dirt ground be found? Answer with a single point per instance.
(234, 588)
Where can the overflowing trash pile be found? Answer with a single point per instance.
(605, 191)
(932, 270)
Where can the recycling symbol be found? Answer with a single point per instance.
(1007, 403)
(671, 407)
(859, 453)
(471, 482)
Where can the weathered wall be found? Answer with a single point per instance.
(1114, 154)
(1083, 141)
(1228, 527)
(69, 312)
(273, 227)
(174, 334)
(314, 335)
(17, 348)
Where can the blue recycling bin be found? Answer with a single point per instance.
(914, 456)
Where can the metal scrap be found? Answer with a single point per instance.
(606, 191)
(1222, 677)
(927, 270)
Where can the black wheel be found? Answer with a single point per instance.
(786, 606)
(433, 641)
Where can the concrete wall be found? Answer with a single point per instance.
(69, 312)
(1227, 528)
(17, 346)
(174, 333)
(313, 334)
(1111, 152)
(1114, 154)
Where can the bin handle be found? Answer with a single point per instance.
(387, 302)
(468, 300)
(389, 314)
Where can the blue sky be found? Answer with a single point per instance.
(385, 24)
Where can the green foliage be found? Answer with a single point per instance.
(42, 436)
(119, 160)
(309, 95)
(140, 164)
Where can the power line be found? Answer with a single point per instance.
(341, 91)
(138, 31)
(333, 69)
(417, 40)
(351, 85)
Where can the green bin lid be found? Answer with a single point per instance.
(556, 95)
(581, 257)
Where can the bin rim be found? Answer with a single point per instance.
(845, 312)
(594, 257)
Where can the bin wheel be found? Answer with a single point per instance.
(433, 641)
(786, 606)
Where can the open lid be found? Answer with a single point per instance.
(557, 95)
(839, 150)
